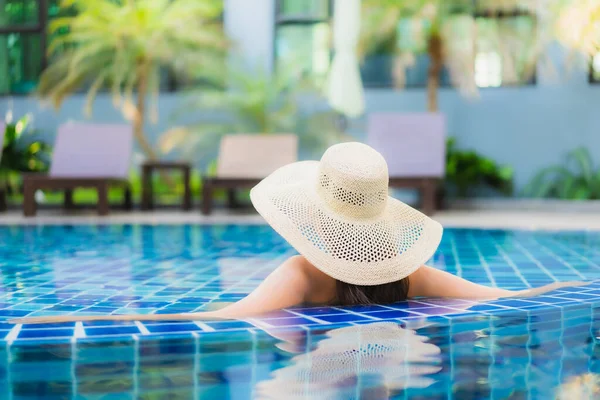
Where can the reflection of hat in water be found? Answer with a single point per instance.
(398, 357)
(337, 214)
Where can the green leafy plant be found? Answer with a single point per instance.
(125, 45)
(21, 151)
(444, 31)
(255, 103)
(466, 171)
(577, 179)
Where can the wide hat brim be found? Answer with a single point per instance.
(361, 251)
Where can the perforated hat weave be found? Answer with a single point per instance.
(337, 213)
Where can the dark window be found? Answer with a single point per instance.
(503, 48)
(22, 44)
(501, 53)
(303, 37)
(377, 69)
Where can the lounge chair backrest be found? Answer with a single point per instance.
(92, 151)
(255, 156)
(414, 145)
(2, 132)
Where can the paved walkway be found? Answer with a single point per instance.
(527, 219)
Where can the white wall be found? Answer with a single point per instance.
(249, 23)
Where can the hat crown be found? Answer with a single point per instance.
(353, 180)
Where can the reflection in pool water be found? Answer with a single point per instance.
(361, 361)
(586, 386)
(536, 354)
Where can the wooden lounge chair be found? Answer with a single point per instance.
(85, 155)
(246, 159)
(414, 146)
(3, 203)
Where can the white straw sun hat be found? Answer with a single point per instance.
(337, 214)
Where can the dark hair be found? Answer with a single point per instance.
(348, 294)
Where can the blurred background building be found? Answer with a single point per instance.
(525, 112)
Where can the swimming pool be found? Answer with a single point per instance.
(531, 348)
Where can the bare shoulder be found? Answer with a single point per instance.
(307, 268)
(420, 273)
(417, 281)
(320, 287)
(298, 263)
(297, 267)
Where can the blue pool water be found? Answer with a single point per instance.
(535, 348)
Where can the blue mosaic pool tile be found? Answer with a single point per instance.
(100, 310)
(124, 298)
(411, 304)
(394, 314)
(367, 309)
(58, 325)
(45, 333)
(4, 326)
(78, 303)
(547, 300)
(448, 302)
(343, 318)
(436, 311)
(195, 300)
(315, 311)
(13, 313)
(176, 309)
(89, 297)
(166, 328)
(224, 325)
(64, 308)
(511, 303)
(293, 321)
(147, 304)
(112, 330)
(485, 307)
(111, 304)
(280, 314)
(43, 301)
(579, 296)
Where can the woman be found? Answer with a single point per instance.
(357, 244)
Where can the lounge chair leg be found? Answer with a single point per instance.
(68, 201)
(29, 206)
(231, 199)
(3, 204)
(103, 199)
(187, 190)
(207, 197)
(147, 190)
(127, 198)
(428, 191)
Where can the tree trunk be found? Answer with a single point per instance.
(436, 62)
(138, 121)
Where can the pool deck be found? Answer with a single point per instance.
(492, 219)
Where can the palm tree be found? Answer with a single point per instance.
(577, 25)
(254, 102)
(446, 31)
(126, 45)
